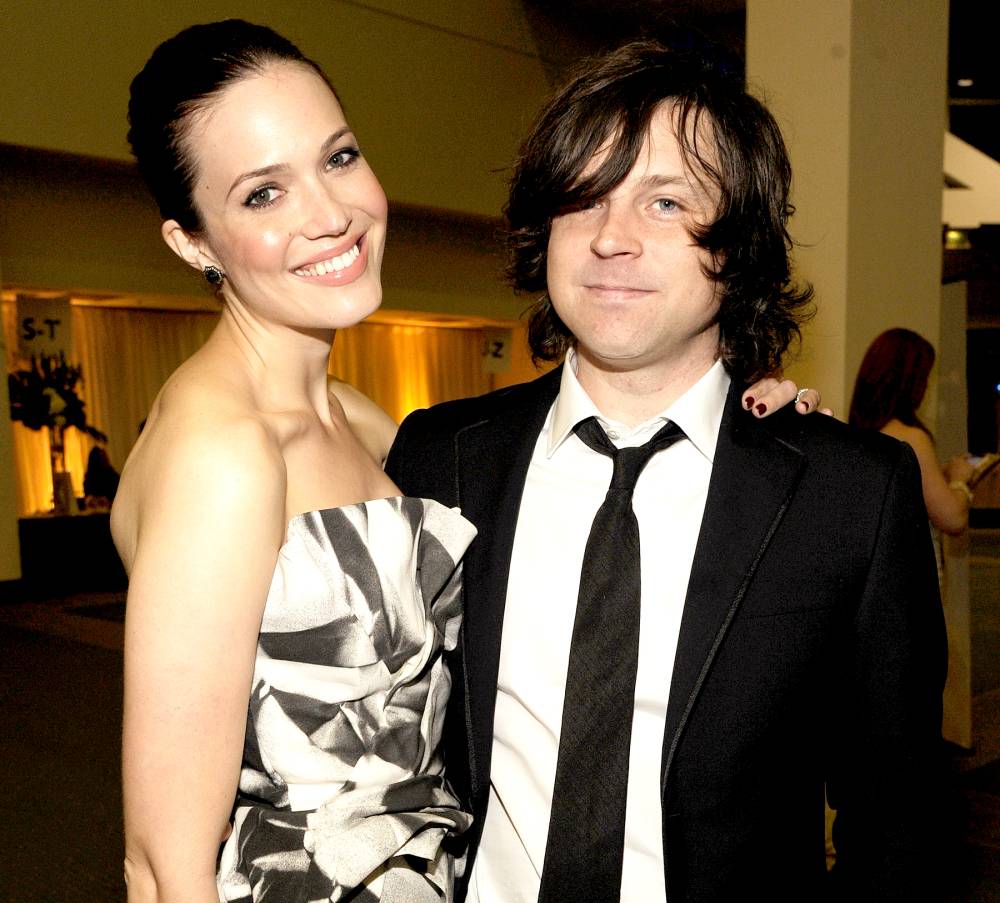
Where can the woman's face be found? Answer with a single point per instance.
(292, 213)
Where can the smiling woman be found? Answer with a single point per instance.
(312, 217)
(266, 549)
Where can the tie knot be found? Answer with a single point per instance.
(628, 462)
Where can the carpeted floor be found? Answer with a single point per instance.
(60, 711)
(60, 707)
(108, 611)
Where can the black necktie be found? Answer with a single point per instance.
(586, 839)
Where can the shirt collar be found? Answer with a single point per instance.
(698, 411)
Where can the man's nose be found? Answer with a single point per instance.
(616, 231)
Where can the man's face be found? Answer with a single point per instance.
(624, 274)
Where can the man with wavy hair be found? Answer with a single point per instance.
(682, 623)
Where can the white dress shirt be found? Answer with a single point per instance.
(566, 484)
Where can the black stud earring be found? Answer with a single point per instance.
(214, 275)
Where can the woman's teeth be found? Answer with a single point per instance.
(333, 265)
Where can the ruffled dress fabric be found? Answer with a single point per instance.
(342, 794)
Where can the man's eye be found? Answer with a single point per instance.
(261, 197)
(665, 204)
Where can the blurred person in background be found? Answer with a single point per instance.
(888, 392)
(100, 482)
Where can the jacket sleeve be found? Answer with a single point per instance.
(421, 461)
(885, 776)
(395, 462)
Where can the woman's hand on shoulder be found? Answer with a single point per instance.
(209, 520)
(769, 394)
(375, 429)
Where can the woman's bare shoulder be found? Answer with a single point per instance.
(202, 452)
(375, 429)
(913, 436)
(197, 413)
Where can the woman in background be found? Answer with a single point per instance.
(889, 389)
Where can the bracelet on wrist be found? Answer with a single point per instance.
(961, 486)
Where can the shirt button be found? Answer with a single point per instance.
(612, 434)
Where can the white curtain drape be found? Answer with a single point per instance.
(126, 354)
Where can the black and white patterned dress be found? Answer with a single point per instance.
(342, 795)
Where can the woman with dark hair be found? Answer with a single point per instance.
(270, 558)
(890, 386)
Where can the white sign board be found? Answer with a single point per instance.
(496, 350)
(43, 326)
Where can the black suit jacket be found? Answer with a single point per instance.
(811, 647)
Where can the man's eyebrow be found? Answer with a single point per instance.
(658, 180)
(283, 167)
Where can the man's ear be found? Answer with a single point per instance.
(188, 247)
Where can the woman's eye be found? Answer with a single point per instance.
(343, 157)
(665, 205)
(261, 197)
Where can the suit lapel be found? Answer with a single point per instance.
(492, 464)
(753, 478)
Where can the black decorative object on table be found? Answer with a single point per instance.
(44, 396)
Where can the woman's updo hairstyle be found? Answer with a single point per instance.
(182, 77)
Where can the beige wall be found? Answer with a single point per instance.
(439, 91)
(859, 89)
(897, 161)
(82, 225)
(950, 415)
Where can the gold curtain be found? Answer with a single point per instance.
(126, 354)
(402, 368)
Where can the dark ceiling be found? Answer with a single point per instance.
(974, 109)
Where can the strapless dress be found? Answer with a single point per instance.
(342, 794)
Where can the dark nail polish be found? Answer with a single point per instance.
(762, 409)
(748, 403)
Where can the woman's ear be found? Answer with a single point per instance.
(186, 246)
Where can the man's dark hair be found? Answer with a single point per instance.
(612, 100)
(892, 380)
(182, 78)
